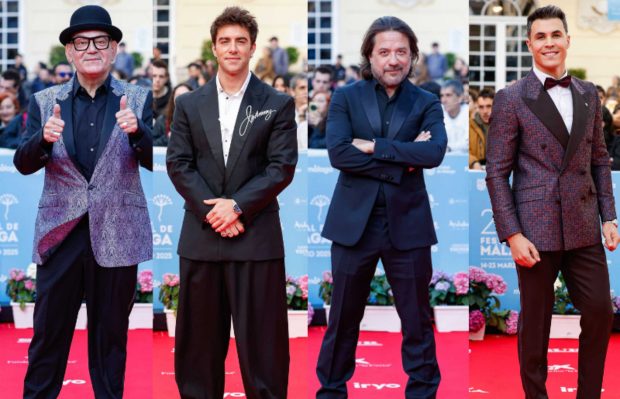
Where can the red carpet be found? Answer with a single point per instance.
(379, 373)
(14, 362)
(165, 387)
(494, 369)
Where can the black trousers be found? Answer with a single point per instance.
(587, 280)
(70, 275)
(409, 273)
(254, 294)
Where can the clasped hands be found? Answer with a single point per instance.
(525, 254)
(368, 146)
(223, 218)
(125, 118)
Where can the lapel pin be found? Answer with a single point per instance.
(586, 104)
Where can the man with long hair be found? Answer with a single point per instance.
(381, 133)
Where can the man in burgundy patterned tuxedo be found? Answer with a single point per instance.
(546, 130)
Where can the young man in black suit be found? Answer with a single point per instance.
(232, 150)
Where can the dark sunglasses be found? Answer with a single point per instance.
(65, 74)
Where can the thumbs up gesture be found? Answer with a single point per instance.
(125, 118)
(54, 126)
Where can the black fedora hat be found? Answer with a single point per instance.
(90, 18)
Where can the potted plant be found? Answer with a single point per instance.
(297, 301)
(21, 289)
(565, 319)
(448, 297)
(482, 296)
(477, 324)
(169, 297)
(141, 315)
(380, 313)
(505, 321)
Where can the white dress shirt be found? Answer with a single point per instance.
(228, 106)
(561, 96)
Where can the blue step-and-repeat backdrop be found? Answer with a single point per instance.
(459, 201)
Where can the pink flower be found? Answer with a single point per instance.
(476, 274)
(496, 283)
(29, 285)
(303, 284)
(327, 277)
(171, 279)
(512, 323)
(476, 321)
(461, 283)
(145, 279)
(17, 275)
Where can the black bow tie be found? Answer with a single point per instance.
(551, 83)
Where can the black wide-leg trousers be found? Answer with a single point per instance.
(69, 276)
(254, 294)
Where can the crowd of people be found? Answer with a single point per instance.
(432, 72)
(481, 104)
(467, 111)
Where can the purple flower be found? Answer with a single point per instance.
(439, 276)
(512, 323)
(476, 320)
(461, 283)
(327, 277)
(310, 313)
(290, 290)
(443, 286)
(616, 302)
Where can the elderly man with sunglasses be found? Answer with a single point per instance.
(90, 135)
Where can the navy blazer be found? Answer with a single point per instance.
(354, 113)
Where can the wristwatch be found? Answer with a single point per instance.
(614, 222)
(236, 208)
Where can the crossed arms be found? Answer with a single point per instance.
(383, 159)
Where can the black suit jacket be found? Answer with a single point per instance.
(354, 113)
(261, 163)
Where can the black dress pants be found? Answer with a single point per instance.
(70, 275)
(587, 280)
(254, 294)
(409, 273)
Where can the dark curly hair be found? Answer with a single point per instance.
(235, 16)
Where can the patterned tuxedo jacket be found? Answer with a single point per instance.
(561, 183)
(119, 223)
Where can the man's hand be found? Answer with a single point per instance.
(222, 214)
(423, 136)
(125, 118)
(54, 126)
(523, 251)
(365, 146)
(610, 233)
(233, 230)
